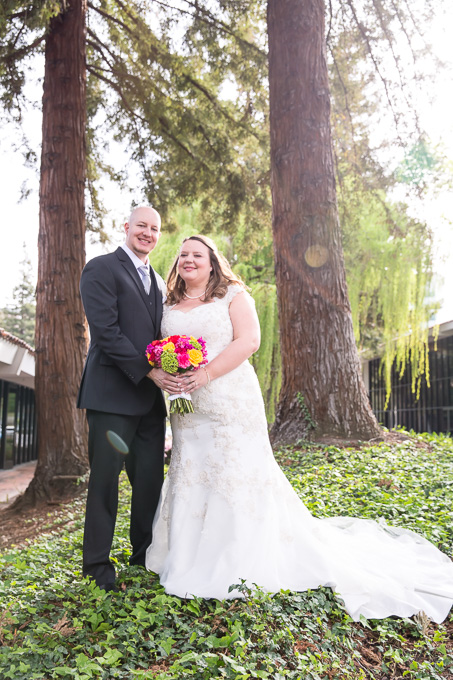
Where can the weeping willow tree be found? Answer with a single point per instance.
(389, 281)
(267, 361)
(388, 253)
(255, 267)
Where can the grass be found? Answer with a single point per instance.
(54, 625)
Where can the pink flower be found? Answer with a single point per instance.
(183, 360)
(183, 344)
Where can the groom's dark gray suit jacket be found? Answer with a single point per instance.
(123, 320)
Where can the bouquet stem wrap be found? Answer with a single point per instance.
(178, 354)
(181, 403)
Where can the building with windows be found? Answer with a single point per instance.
(18, 442)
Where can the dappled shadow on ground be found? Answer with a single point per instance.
(388, 437)
(20, 525)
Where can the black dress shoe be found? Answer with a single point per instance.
(109, 587)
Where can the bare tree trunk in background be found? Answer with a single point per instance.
(60, 321)
(319, 354)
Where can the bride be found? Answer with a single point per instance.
(227, 512)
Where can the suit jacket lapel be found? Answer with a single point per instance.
(156, 295)
(132, 271)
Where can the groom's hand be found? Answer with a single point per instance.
(165, 381)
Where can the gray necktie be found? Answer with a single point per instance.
(146, 278)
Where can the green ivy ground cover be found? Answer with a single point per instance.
(54, 625)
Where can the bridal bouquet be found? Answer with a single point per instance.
(178, 354)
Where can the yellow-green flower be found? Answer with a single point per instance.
(195, 342)
(169, 361)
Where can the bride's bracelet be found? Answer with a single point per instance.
(207, 375)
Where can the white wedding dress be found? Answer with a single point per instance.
(227, 511)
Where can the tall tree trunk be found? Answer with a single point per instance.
(60, 322)
(319, 355)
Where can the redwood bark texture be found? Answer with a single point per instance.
(319, 354)
(60, 322)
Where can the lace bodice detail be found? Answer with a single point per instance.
(211, 321)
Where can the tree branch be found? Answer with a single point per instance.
(330, 22)
(390, 41)
(376, 66)
(213, 100)
(403, 28)
(409, 11)
(109, 17)
(133, 113)
(345, 92)
(22, 51)
(214, 22)
(99, 46)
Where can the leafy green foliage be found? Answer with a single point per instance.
(252, 260)
(183, 87)
(388, 254)
(22, 32)
(310, 423)
(18, 318)
(55, 625)
(389, 270)
(267, 360)
(423, 167)
(409, 484)
(156, 78)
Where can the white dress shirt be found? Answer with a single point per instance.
(137, 262)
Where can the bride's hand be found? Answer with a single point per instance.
(193, 380)
(165, 381)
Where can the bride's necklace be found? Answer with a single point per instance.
(194, 297)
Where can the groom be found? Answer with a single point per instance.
(122, 297)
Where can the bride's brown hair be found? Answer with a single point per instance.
(220, 278)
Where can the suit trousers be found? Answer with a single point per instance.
(145, 438)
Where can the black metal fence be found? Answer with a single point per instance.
(18, 441)
(433, 410)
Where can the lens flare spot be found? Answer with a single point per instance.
(316, 256)
(117, 442)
